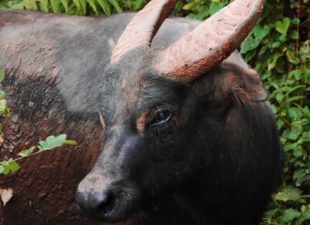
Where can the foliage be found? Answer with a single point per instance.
(4, 109)
(279, 48)
(73, 7)
(51, 142)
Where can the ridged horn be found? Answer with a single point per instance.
(211, 42)
(143, 27)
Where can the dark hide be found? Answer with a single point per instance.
(216, 162)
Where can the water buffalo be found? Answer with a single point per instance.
(186, 133)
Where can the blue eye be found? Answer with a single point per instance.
(160, 118)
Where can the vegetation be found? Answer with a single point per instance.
(279, 48)
(51, 142)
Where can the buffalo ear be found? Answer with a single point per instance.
(244, 85)
(254, 89)
(230, 83)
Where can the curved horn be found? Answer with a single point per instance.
(142, 28)
(211, 42)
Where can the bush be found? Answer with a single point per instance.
(278, 48)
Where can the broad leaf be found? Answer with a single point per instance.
(52, 142)
(288, 194)
(289, 215)
(282, 26)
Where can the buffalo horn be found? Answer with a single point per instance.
(211, 42)
(142, 28)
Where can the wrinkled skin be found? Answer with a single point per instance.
(172, 152)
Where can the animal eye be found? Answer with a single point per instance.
(161, 117)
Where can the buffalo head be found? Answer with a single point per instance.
(156, 137)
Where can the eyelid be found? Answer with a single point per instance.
(159, 108)
(161, 122)
(153, 125)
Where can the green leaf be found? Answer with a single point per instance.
(292, 57)
(294, 132)
(294, 35)
(249, 44)
(294, 113)
(306, 136)
(274, 61)
(297, 74)
(13, 166)
(261, 32)
(279, 96)
(65, 5)
(105, 6)
(300, 176)
(93, 5)
(215, 7)
(250, 55)
(30, 4)
(282, 38)
(298, 152)
(255, 38)
(1, 169)
(52, 142)
(288, 194)
(69, 142)
(2, 75)
(137, 4)
(1, 94)
(280, 123)
(4, 168)
(3, 105)
(77, 4)
(189, 6)
(283, 25)
(44, 5)
(289, 215)
(116, 6)
(26, 152)
(9, 166)
(55, 6)
(276, 44)
(295, 21)
(83, 6)
(306, 214)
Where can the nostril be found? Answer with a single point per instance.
(95, 203)
(107, 202)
